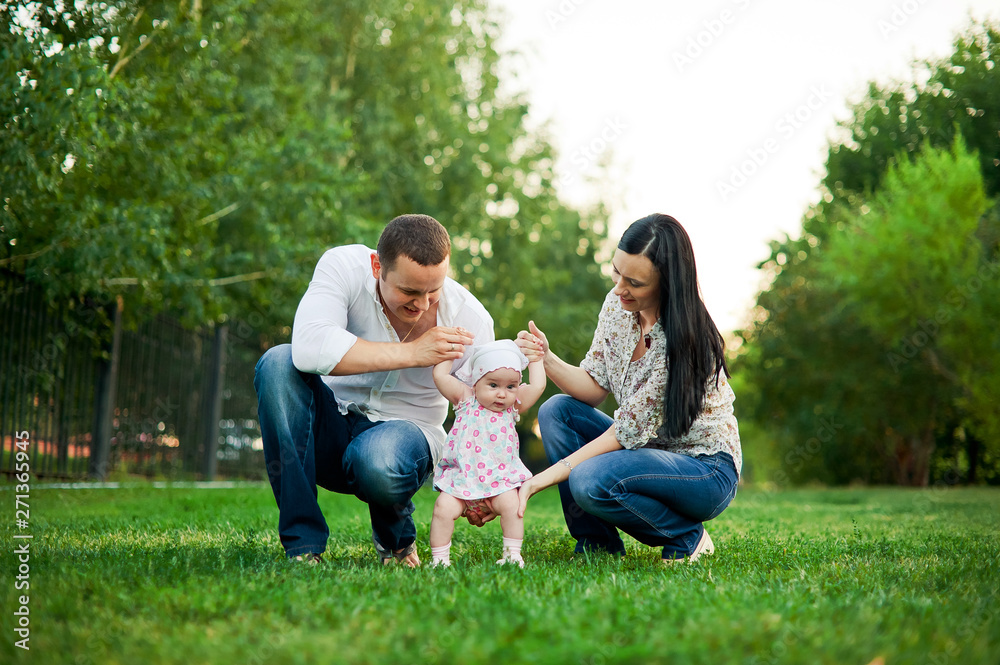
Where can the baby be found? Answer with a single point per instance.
(481, 456)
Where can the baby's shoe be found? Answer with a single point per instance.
(512, 551)
(511, 557)
(441, 556)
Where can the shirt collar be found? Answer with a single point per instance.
(444, 312)
(370, 284)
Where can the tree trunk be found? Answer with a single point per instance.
(912, 466)
(972, 447)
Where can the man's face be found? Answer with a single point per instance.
(409, 289)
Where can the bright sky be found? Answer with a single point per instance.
(718, 113)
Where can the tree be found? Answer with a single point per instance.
(955, 96)
(850, 323)
(199, 157)
(911, 267)
(150, 158)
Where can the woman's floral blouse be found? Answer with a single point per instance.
(638, 386)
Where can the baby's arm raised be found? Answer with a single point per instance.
(453, 389)
(529, 392)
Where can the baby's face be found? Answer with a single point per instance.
(497, 390)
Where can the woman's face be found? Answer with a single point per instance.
(637, 283)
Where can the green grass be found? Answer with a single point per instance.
(145, 575)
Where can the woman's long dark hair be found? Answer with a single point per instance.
(694, 344)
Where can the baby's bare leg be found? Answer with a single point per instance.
(506, 505)
(447, 509)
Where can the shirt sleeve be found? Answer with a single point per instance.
(320, 338)
(595, 362)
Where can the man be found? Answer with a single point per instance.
(350, 405)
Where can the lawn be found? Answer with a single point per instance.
(181, 575)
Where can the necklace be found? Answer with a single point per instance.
(415, 325)
(646, 337)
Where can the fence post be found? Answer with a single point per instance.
(104, 405)
(213, 402)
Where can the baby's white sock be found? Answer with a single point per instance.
(441, 556)
(512, 551)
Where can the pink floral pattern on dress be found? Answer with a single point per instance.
(481, 457)
(638, 387)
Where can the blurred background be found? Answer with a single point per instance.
(171, 173)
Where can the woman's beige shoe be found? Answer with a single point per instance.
(704, 546)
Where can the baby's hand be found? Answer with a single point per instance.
(534, 356)
(531, 346)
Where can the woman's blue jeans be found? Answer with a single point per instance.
(658, 497)
(309, 443)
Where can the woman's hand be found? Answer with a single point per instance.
(571, 379)
(533, 343)
(525, 492)
(559, 472)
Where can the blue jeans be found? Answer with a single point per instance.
(658, 497)
(309, 443)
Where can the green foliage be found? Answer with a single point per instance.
(898, 258)
(873, 348)
(217, 149)
(913, 268)
(152, 155)
(955, 96)
(197, 576)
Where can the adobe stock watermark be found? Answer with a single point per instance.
(22, 549)
(586, 155)
(562, 12)
(803, 453)
(711, 30)
(788, 636)
(972, 630)
(784, 129)
(827, 431)
(899, 16)
(955, 301)
(607, 652)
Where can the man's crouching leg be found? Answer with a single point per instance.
(385, 466)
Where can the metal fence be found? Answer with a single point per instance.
(101, 398)
(42, 391)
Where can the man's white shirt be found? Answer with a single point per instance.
(342, 305)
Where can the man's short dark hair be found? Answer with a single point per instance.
(419, 237)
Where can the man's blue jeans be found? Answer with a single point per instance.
(658, 497)
(308, 442)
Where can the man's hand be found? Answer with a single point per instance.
(410, 561)
(439, 344)
(479, 512)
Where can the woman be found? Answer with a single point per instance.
(670, 458)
